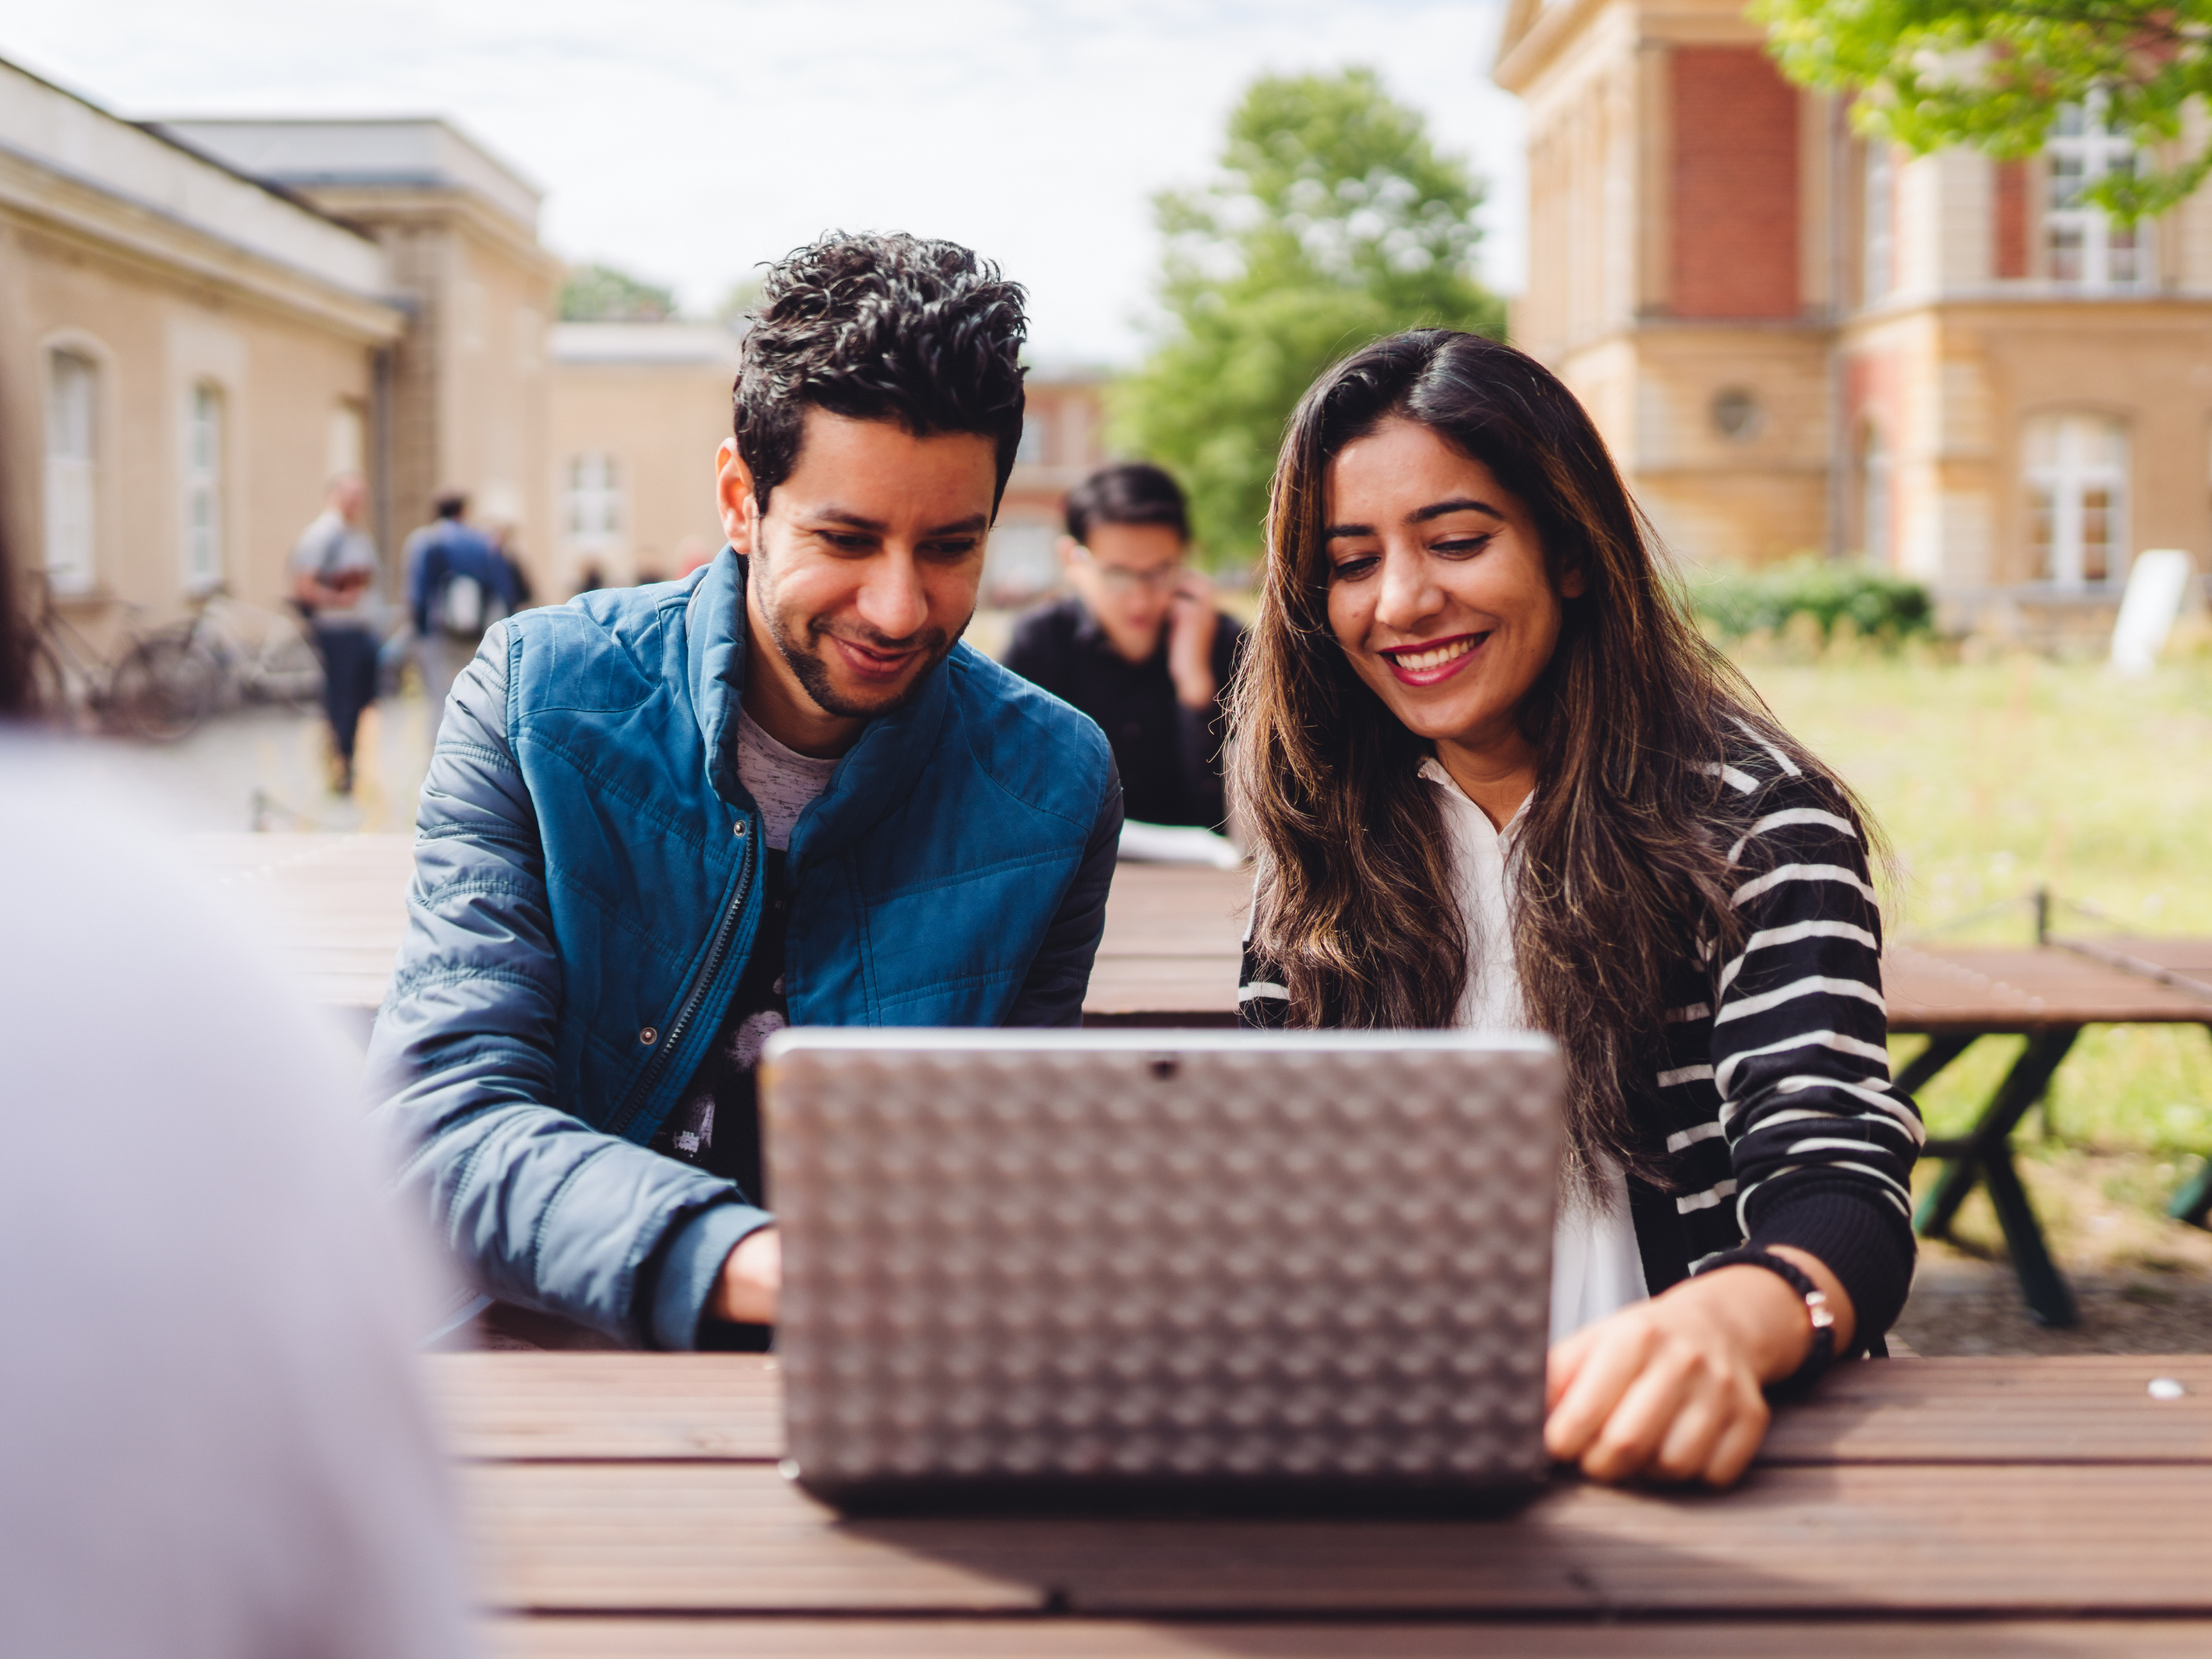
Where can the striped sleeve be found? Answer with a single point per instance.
(1821, 1143)
(1262, 1002)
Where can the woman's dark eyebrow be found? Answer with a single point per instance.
(1436, 509)
(1335, 531)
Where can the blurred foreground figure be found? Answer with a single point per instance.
(1139, 647)
(215, 1447)
(333, 583)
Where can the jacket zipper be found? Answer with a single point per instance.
(692, 998)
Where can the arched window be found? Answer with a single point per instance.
(73, 408)
(203, 487)
(2077, 477)
(594, 505)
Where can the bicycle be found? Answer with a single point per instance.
(228, 648)
(71, 679)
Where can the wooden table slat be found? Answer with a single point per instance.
(2045, 1540)
(1171, 943)
(598, 1407)
(1086, 1638)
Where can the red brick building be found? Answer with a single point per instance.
(1796, 341)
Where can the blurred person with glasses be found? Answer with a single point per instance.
(1140, 645)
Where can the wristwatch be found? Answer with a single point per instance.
(1822, 1354)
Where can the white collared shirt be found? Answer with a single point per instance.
(1595, 1268)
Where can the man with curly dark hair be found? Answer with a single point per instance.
(664, 821)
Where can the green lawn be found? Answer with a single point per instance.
(1991, 778)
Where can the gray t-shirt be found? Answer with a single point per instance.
(781, 781)
(331, 550)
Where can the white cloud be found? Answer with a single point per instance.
(690, 139)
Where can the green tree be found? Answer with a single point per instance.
(1994, 73)
(1334, 221)
(598, 293)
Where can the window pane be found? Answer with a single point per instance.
(69, 413)
(2068, 175)
(2096, 534)
(2066, 253)
(2042, 520)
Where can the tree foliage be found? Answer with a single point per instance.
(598, 293)
(1334, 220)
(1994, 73)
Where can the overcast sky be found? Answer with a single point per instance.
(687, 140)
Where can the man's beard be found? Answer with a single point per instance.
(813, 674)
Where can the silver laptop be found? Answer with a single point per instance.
(1078, 1266)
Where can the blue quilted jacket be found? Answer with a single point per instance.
(588, 882)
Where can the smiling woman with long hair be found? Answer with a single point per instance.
(1497, 779)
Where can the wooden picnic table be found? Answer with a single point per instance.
(630, 1504)
(1169, 958)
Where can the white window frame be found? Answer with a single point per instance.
(2098, 255)
(592, 507)
(1876, 501)
(2086, 472)
(206, 450)
(72, 480)
(1878, 209)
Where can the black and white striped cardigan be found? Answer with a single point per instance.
(1772, 1117)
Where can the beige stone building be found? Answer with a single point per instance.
(468, 390)
(638, 410)
(1794, 341)
(186, 355)
(201, 320)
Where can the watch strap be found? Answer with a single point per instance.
(1822, 1354)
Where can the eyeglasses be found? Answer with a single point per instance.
(1121, 580)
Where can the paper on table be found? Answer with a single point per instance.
(1172, 843)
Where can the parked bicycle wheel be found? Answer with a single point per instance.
(164, 687)
(287, 672)
(49, 687)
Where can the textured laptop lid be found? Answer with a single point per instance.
(1185, 1257)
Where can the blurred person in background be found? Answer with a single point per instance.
(333, 569)
(216, 1443)
(509, 548)
(1139, 647)
(458, 585)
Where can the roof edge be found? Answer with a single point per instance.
(153, 130)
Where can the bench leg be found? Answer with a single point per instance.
(2023, 1086)
(2193, 1203)
(2042, 1285)
(1939, 1053)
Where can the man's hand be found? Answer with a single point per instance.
(753, 1278)
(1671, 1387)
(1191, 622)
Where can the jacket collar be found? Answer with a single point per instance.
(877, 773)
